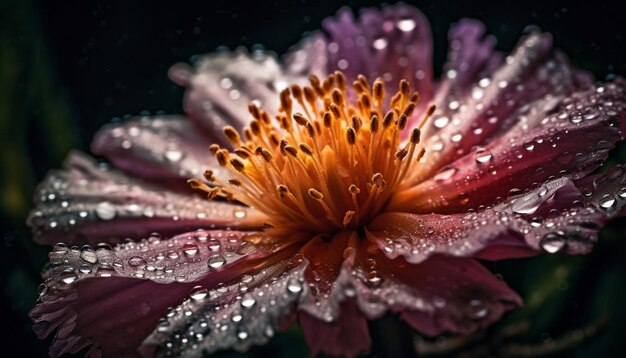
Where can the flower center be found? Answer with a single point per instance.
(323, 164)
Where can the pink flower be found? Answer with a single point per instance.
(365, 202)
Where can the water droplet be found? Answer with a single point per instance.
(105, 211)
(173, 155)
(607, 201)
(216, 261)
(622, 193)
(173, 255)
(198, 293)
(84, 268)
(60, 248)
(137, 262)
(294, 286)
(247, 300)
(239, 213)
(380, 43)
(190, 249)
(88, 255)
(441, 122)
(242, 335)
(406, 25)
(374, 279)
(482, 155)
(445, 173)
(67, 277)
(552, 242)
(478, 310)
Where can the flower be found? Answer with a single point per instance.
(360, 202)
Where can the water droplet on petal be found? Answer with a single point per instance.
(406, 25)
(198, 293)
(88, 255)
(445, 173)
(483, 155)
(173, 155)
(294, 286)
(190, 249)
(552, 242)
(137, 262)
(247, 300)
(105, 211)
(216, 261)
(607, 201)
(68, 277)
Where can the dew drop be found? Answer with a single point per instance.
(137, 262)
(380, 43)
(68, 277)
(607, 201)
(239, 213)
(483, 155)
(441, 122)
(216, 261)
(198, 293)
(190, 249)
(406, 25)
(105, 211)
(247, 301)
(552, 242)
(173, 155)
(88, 255)
(294, 286)
(445, 173)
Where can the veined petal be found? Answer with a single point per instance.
(393, 43)
(161, 149)
(87, 204)
(235, 316)
(571, 138)
(222, 84)
(92, 295)
(475, 105)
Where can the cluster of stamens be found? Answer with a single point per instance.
(322, 164)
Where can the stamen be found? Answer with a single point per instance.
(311, 151)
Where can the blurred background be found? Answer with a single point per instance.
(68, 67)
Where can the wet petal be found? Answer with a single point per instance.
(237, 314)
(393, 43)
(449, 294)
(88, 203)
(474, 105)
(91, 295)
(166, 149)
(308, 57)
(572, 138)
(222, 84)
(346, 336)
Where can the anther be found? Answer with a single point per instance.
(348, 217)
(309, 129)
(327, 118)
(408, 110)
(266, 154)
(335, 110)
(404, 87)
(315, 194)
(415, 135)
(354, 189)
(291, 151)
(378, 89)
(196, 184)
(242, 152)
(237, 164)
(337, 97)
(341, 80)
(222, 157)
(374, 124)
(306, 149)
(309, 94)
(401, 154)
(254, 111)
(363, 81)
(388, 119)
(299, 118)
(296, 91)
(208, 175)
(351, 136)
(212, 193)
(235, 182)
(402, 121)
(213, 148)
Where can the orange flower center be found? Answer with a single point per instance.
(323, 164)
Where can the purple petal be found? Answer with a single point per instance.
(161, 149)
(393, 43)
(570, 138)
(234, 316)
(222, 84)
(476, 106)
(93, 296)
(346, 336)
(307, 57)
(87, 203)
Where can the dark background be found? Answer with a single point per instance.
(68, 67)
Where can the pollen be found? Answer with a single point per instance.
(330, 160)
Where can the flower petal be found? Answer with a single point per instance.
(91, 296)
(573, 137)
(473, 110)
(222, 84)
(307, 57)
(237, 316)
(87, 203)
(393, 43)
(162, 149)
(346, 336)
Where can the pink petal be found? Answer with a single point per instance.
(92, 296)
(345, 337)
(235, 316)
(166, 149)
(222, 84)
(477, 103)
(458, 295)
(393, 43)
(572, 138)
(87, 203)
